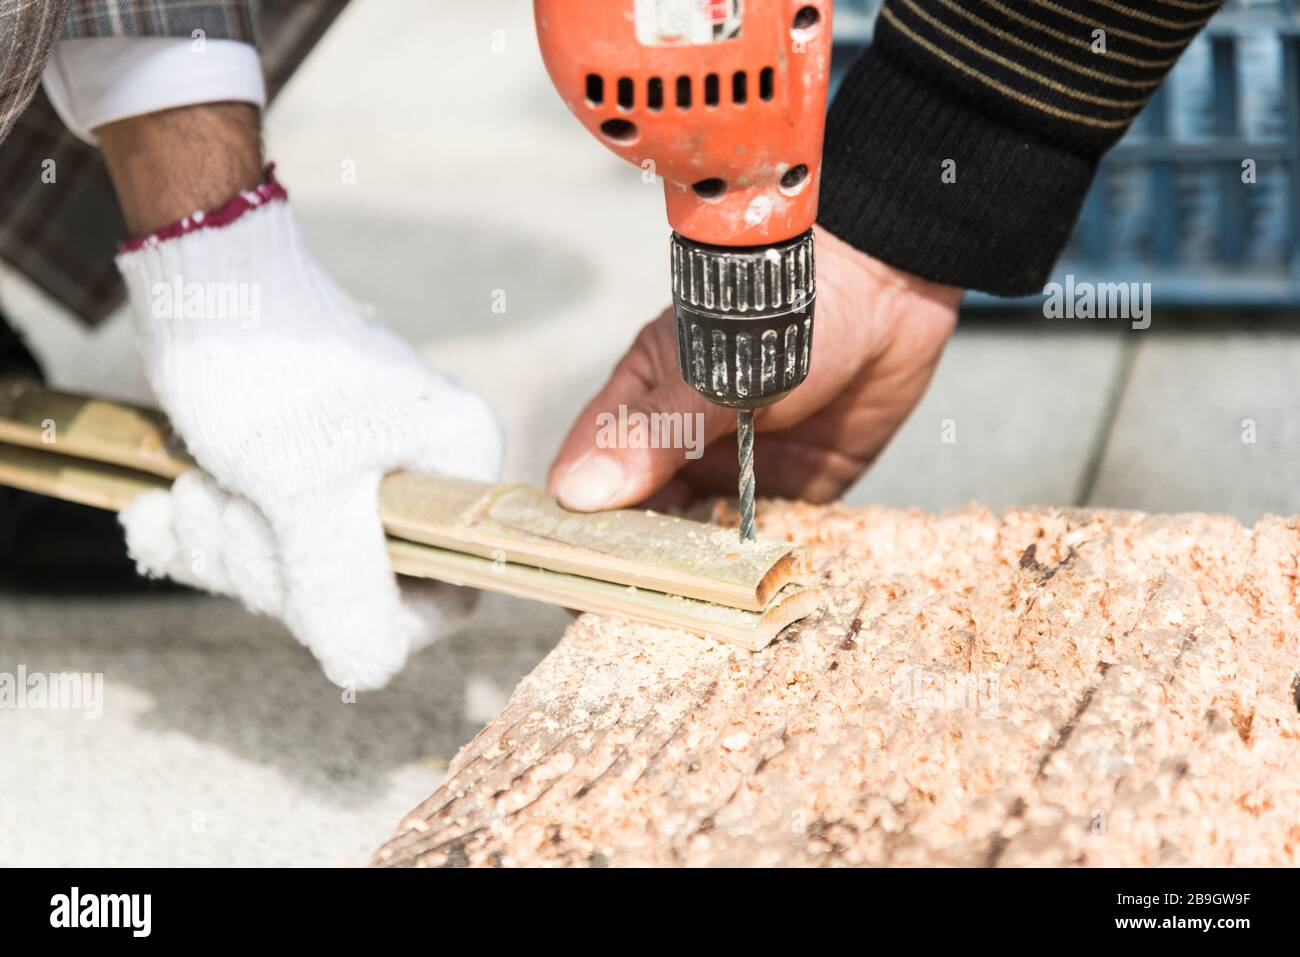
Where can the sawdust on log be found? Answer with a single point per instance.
(1048, 687)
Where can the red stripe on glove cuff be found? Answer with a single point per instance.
(267, 191)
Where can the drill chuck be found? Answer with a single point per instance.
(744, 318)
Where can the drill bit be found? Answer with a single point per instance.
(745, 439)
(744, 318)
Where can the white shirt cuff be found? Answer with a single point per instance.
(95, 81)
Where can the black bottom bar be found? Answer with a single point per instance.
(576, 909)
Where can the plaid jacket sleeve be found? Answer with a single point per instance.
(219, 19)
(59, 222)
(27, 34)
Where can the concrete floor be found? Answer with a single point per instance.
(221, 743)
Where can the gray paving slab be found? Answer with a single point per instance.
(1209, 421)
(220, 743)
(1012, 417)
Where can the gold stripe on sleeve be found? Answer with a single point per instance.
(994, 84)
(1148, 18)
(1135, 37)
(1011, 38)
(1078, 41)
(1023, 70)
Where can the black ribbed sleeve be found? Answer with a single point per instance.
(1023, 96)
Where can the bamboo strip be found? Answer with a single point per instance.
(134, 438)
(513, 523)
(112, 487)
(97, 484)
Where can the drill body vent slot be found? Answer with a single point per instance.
(625, 87)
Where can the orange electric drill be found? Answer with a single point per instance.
(727, 98)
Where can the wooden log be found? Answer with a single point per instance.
(1048, 687)
(510, 523)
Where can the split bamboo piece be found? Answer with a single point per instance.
(513, 523)
(133, 438)
(112, 487)
(97, 484)
(510, 538)
(516, 523)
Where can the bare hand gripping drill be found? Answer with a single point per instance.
(727, 98)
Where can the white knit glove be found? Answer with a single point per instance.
(293, 401)
(200, 535)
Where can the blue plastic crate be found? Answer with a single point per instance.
(1169, 205)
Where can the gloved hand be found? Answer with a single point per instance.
(290, 399)
(202, 536)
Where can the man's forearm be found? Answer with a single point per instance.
(962, 143)
(169, 164)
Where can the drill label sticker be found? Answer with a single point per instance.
(662, 23)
